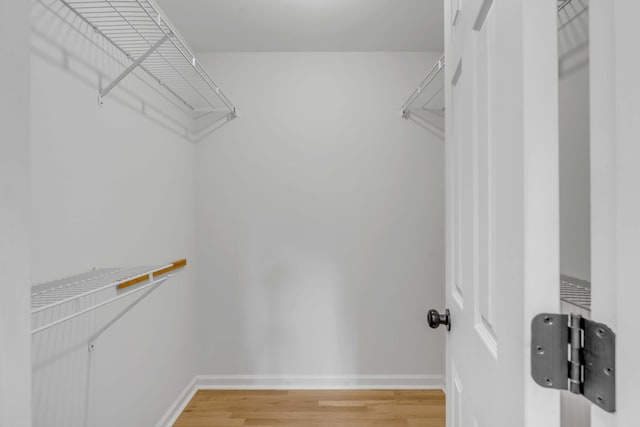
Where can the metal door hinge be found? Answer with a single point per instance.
(569, 352)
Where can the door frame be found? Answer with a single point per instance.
(541, 189)
(615, 199)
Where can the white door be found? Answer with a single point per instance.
(615, 194)
(502, 207)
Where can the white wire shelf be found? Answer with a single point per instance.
(140, 31)
(56, 302)
(426, 103)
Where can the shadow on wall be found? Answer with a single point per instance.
(573, 37)
(64, 371)
(61, 38)
(430, 122)
(63, 368)
(294, 284)
(61, 361)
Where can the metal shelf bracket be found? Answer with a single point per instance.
(425, 105)
(152, 286)
(131, 67)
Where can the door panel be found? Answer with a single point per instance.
(454, 197)
(485, 315)
(500, 221)
(456, 397)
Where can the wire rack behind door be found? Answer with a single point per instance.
(426, 103)
(575, 292)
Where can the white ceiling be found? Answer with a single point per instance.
(308, 25)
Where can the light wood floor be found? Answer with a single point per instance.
(335, 408)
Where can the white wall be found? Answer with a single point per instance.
(320, 220)
(110, 186)
(15, 379)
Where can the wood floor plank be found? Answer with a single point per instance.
(315, 408)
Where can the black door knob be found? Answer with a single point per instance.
(436, 319)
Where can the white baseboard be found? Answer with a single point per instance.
(298, 382)
(319, 382)
(171, 416)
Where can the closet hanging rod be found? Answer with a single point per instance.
(139, 30)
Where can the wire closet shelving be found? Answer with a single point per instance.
(139, 30)
(426, 103)
(575, 292)
(59, 301)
